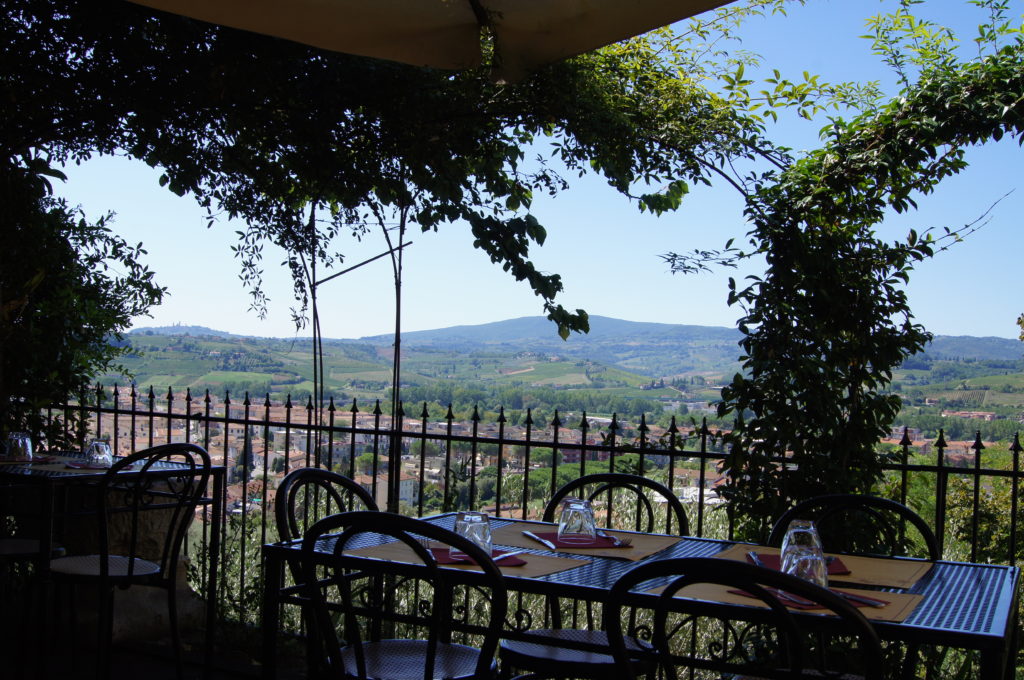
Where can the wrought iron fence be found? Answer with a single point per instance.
(507, 465)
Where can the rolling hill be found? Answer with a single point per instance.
(631, 358)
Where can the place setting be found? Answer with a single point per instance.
(802, 556)
(18, 450)
(475, 526)
(878, 572)
(97, 456)
(577, 532)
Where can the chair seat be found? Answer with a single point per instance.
(404, 659)
(546, 655)
(25, 548)
(89, 566)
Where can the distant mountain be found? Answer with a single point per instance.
(179, 329)
(538, 329)
(970, 347)
(653, 349)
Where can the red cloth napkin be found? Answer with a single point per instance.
(598, 542)
(774, 561)
(444, 557)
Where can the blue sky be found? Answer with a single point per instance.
(605, 250)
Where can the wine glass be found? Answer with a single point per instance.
(98, 454)
(802, 555)
(476, 527)
(576, 524)
(19, 446)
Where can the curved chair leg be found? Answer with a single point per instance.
(172, 614)
(70, 591)
(106, 633)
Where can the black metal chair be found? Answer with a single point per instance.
(623, 501)
(862, 525)
(770, 641)
(304, 496)
(422, 609)
(865, 525)
(142, 519)
(307, 494)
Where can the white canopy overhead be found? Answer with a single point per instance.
(446, 33)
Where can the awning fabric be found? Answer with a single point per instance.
(445, 33)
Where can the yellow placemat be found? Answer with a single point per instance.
(868, 571)
(900, 604)
(641, 546)
(536, 565)
(61, 466)
(39, 459)
(53, 464)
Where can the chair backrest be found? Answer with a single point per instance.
(625, 502)
(768, 641)
(147, 513)
(429, 602)
(865, 525)
(307, 494)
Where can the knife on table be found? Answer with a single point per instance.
(869, 601)
(548, 544)
(512, 553)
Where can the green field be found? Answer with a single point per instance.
(235, 376)
(480, 373)
(363, 372)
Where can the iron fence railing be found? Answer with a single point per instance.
(971, 499)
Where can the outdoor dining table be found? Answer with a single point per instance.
(952, 604)
(50, 476)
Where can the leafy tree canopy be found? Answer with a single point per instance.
(304, 145)
(67, 289)
(829, 320)
(278, 134)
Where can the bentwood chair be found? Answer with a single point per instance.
(862, 525)
(304, 496)
(142, 518)
(307, 494)
(423, 610)
(865, 525)
(770, 641)
(621, 501)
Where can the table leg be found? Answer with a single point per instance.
(273, 582)
(46, 527)
(1009, 656)
(214, 558)
(993, 664)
